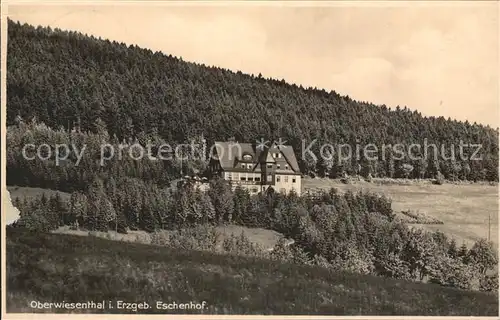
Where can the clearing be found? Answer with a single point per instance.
(29, 192)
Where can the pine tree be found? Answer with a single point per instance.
(147, 221)
(463, 252)
(241, 204)
(222, 199)
(452, 249)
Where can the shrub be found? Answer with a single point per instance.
(489, 283)
(201, 237)
(451, 272)
(393, 266)
(439, 179)
(420, 218)
(35, 220)
(241, 245)
(483, 255)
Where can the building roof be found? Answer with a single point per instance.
(231, 153)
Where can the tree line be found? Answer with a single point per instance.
(80, 163)
(65, 79)
(355, 232)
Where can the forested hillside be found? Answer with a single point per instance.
(58, 80)
(61, 76)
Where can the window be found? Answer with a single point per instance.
(278, 178)
(249, 166)
(286, 167)
(270, 178)
(257, 179)
(247, 157)
(229, 177)
(250, 179)
(286, 178)
(243, 165)
(243, 178)
(278, 166)
(293, 180)
(269, 166)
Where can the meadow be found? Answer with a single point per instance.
(30, 193)
(55, 268)
(464, 208)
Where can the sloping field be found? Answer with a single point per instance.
(57, 268)
(463, 208)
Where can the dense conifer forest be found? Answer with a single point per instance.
(64, 78)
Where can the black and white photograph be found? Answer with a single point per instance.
(259, 158)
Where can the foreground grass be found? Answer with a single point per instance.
(56, 268)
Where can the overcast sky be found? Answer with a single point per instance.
(440, 60)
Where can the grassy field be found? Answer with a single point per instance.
(57, 268)
(29, 192)
(266, 239)
(463, 208)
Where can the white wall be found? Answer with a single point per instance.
(288, 185)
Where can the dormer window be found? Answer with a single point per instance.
(286, 167)
(247, 157)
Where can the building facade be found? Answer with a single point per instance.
(255, 168)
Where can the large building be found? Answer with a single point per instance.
(256, 168)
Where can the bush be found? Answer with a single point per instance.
(393, 266)
(36, 220)
(204, 238)
(439, 179)
(420, 218)
(241, 245)
(483, 255)
(353, 260)
(451, 272)
(489, 283)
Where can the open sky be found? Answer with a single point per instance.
(438, 59)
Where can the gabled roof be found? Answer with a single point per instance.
(288, 154)
(230, 153)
